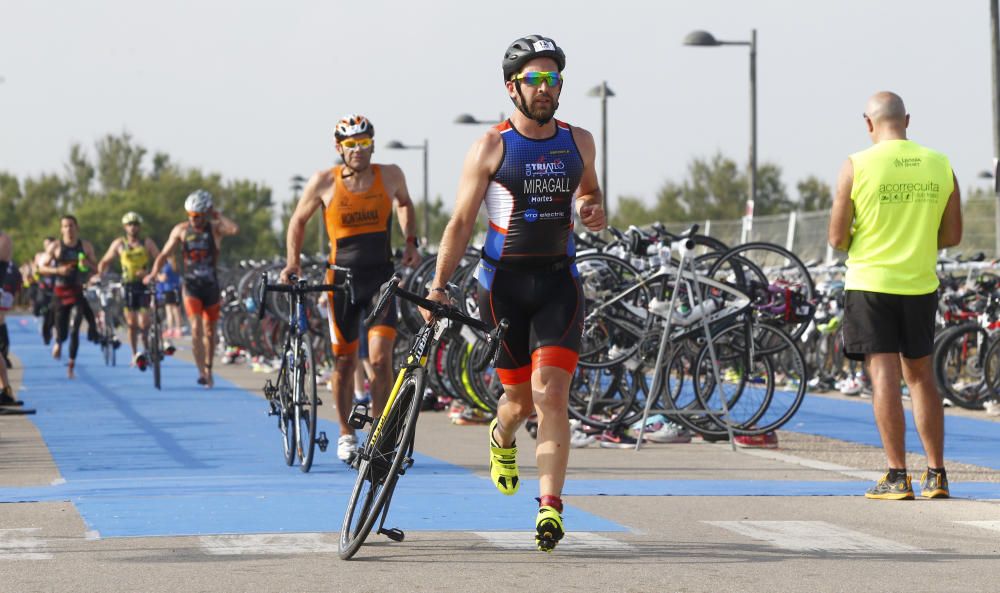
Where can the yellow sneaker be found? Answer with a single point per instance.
(548, 528)
(900, 489)
(503, 465)
(934, 486)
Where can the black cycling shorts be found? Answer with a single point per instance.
(545, 310)
(346, 318)
(135, 296)
(876, 322)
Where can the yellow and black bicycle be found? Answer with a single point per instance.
(387, 452)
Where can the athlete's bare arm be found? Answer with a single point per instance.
(52, 254)
(950, 230)
(842, 211)
(152, 249)
(481, 162)
(175, 238)
(112, 253)
(589, 198)
(312, 199)
(395, 182)
(223, 226)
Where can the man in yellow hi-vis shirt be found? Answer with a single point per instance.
(896, 204)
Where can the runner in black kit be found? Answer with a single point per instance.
(73, 260)
(532, 171)
(200, 238)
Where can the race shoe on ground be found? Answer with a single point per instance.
(992, 407)
(548, 528)
(579, 439)
(7, 398)
(616, 440)
(503, 465)
(140, 360)
(933, 485)
(850, 386)
(900, 489)
(347, 447)
(768, 440)
(660, 430)
(471, 415)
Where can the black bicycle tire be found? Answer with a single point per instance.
(969, 398)
(156, 348)
(305, 405)
(401, 436)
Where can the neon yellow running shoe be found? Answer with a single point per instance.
(548, 528)
(503, 465)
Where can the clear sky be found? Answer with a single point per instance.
(252, 88)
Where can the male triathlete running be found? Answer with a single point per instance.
(10, 281)
(71, 260)
(531, 171)
(44, 303)
(135, 254)
(200, 239)
(357, 200)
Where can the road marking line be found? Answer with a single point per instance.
(813, 536)
(22, 544)
(574, 540)
(267, 544)
(991, 525)
(813, 464)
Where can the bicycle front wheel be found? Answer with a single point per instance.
(380, 463)
(155, 347)
(305, 404)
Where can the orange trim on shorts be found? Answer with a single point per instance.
(194, 308)
(515, 376)
(382, 331)
(343, 349)
(555, 356)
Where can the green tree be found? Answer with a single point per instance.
(814, 194)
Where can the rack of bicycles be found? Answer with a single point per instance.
(677, 325)
(966, 358)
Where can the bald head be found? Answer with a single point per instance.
(886, 108)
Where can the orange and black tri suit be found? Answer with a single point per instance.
(201, 284)
(527, 273)
(358, 226)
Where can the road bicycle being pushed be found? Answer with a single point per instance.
(387, 452)
(292, 397)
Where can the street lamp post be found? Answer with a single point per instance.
(706, 39)
(604, 92)
(397, 145)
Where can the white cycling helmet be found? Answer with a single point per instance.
(198, 201)
(353, 124)
(131, 217)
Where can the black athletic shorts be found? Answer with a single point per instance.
(346, 318)
(876, 322)
(545, 310)
(135, 296)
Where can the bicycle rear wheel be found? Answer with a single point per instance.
(305, 404)
(380, 464)
(155, 347)
(286, 416)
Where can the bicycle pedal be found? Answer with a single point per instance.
(394, 534)
(359, 418)
(407, 464)
(322, 442)
(269, 389)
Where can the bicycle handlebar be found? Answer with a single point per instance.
(494, 335)
(301, 286)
